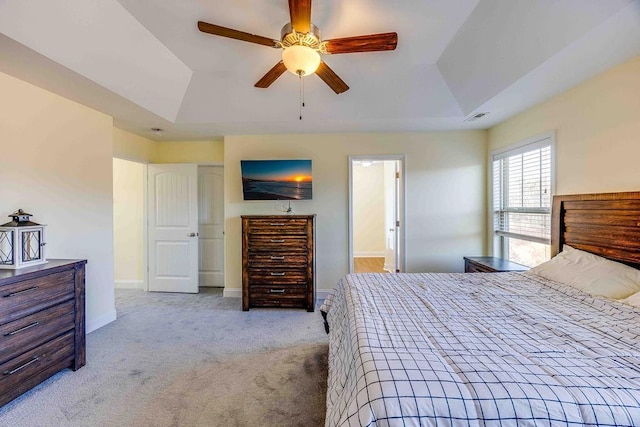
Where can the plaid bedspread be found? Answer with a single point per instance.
(495, 349)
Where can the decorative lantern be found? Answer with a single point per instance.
(21, 242)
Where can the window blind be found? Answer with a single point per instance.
(522, 192)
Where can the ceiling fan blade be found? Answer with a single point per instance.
(369, 43)
(330, 78)
(300, 12)
(271, 75)
(217, 30)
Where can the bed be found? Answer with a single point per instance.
(480, 349)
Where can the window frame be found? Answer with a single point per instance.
(501, 242)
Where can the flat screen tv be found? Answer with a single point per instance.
(276, 179)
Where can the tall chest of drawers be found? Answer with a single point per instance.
(278, 261)
(42, 324)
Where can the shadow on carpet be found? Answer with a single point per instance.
(282, 387)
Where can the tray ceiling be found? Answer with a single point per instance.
(145, 63)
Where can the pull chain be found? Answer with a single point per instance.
(301, 94)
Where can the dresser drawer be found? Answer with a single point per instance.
(275, 276)
(278, 291)
(23, 298)
(281, 259)
(297, 302)
(25, 371)
(287, 243)
(24, 334)
(475, 268)
(277, 226)
(278, 296)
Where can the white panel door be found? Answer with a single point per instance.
(173, 227)
(211, 225)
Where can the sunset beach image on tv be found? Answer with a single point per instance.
(276, 179)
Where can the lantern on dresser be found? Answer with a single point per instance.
(21, 242)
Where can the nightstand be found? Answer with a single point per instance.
(489, 264)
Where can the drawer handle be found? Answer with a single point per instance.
(277, 257)
(13, 294)
(277, 274)
(277, 240)
(24, 328)
(277, 224)
(19, 368)
(276, 291)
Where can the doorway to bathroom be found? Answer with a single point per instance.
(376, 214)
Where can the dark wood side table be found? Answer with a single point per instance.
(489, 264)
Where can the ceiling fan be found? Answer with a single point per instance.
(302, 46)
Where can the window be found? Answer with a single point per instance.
(522, 193)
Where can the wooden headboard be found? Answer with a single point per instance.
(606, 224)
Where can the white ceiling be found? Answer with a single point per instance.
(145, 63)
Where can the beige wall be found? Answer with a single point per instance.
(129, 146)
(368, 210)
(56, 163)
(445, 195)
(201, 152)
(128, 211)
(597, 127)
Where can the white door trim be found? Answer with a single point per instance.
(145, 230)
(401, 215)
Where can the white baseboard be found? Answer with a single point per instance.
(128, 284)
(101, 321)
(232, 293)
(322, 294)
(371, 254)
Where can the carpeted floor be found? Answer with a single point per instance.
(188, 360)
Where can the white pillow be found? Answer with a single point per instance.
(633, 300)
(590, 273)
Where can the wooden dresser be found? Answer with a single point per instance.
(42, 329)
(278, 261)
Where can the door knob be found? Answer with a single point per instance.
(191, 235)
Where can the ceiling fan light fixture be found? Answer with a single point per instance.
(301, 60)
(302, 45)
